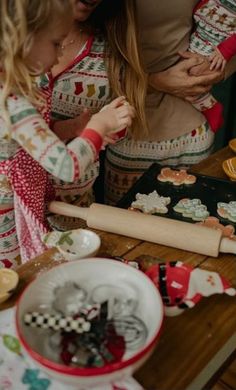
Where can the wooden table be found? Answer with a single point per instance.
(193, 346)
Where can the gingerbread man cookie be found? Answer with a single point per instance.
(151, 203)
(176, 177)
(227, 210)
(192, 208)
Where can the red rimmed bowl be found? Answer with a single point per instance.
(90, 274)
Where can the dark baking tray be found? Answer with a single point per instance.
(207, 188)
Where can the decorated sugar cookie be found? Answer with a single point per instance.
(192, 208)
(176, 177)
(214, 223)
(151, 203)
(227, 210)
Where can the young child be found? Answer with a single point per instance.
(31, 32)
(214, 36)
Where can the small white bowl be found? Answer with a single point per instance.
(74, 244)
(91, 274)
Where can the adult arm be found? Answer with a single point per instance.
(177, 81)
(70, 128)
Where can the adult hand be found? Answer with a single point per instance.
(81, 121)
(178, 82)
(71, 128)
(205, 67)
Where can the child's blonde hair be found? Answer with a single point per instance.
(19, 21)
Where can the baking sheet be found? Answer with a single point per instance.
(210, 190)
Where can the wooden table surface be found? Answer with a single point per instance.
(194, 345)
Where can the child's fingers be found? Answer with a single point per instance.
(223, 65)
(213, 63)
(110, 139)
(117, 102)
(128, 122)
(126, 110)
(218, 64)
(130, 111)
(125, 121)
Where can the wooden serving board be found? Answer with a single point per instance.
(210, 190)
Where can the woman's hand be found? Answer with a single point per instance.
(71, 128)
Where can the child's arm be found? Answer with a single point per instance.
(227, 48)
(70, 162)
(219, 58)
(223, 53)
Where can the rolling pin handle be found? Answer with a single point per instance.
(68, 210)
(227, 245)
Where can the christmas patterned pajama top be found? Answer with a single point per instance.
(31, 135)
(83, 84)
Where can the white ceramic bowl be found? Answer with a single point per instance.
(74, 244)
(90, 274)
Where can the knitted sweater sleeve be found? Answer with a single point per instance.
(30, 131)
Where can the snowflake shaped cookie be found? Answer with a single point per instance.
(192, 208)
(151, 203)
(227, 210)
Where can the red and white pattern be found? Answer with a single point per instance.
(32, 191)
(182, 286)
(15, 366)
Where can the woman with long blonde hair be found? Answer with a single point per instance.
(99, 59)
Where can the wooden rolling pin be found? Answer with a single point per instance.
(165, 231)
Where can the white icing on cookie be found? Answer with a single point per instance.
(192, 208)
(227, 210)
(151, 203)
